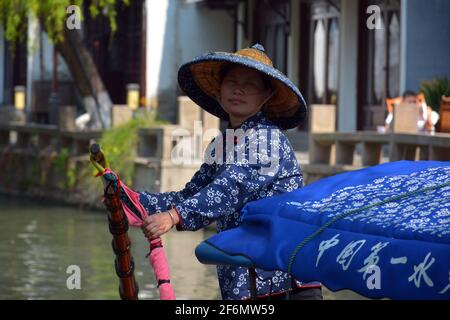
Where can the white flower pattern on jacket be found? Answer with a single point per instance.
(218, 191)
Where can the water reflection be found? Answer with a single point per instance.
(39, 242)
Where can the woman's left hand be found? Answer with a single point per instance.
(156, 225)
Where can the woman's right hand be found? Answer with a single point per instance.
(155, 225)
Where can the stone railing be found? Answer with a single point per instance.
(332, 152)
(38, 136)
(339, 147)
(27, 159)
(155, 170)
(27, 150)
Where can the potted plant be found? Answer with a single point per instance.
(433, 90)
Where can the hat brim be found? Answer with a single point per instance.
(200, 80)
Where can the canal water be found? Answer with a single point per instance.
(39, 243)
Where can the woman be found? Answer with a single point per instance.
(256, 99)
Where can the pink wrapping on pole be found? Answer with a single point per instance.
(160, 265)
(157, 257)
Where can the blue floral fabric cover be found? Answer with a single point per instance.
(390, 236)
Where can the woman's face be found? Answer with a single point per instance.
(243, 92)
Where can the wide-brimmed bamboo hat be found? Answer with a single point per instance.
(200, 80)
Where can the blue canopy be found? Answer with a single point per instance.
(382, 231)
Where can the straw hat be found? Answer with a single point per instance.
(200, 80)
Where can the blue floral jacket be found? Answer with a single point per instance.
(259, 164)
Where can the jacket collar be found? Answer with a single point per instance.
(250, 122)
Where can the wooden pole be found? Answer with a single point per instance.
(124, 263)
(118, 227)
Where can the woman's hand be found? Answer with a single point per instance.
(157, 224)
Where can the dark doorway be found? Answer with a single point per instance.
(120, 59)
(15, 69)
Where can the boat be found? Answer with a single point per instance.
(382, 232)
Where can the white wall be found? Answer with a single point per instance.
(2, 66)
(241, 40)
(202, 30)
(403, 26)
(156, 16)
(348, 66)
(294, 43)
(177, 31)
(426, 52)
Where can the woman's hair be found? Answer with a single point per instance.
(409, 93)
(228, 66)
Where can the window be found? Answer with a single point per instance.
(379, 62)
(324, 50)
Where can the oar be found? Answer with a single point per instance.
(98, 158)
(118, 227)
(135, 214)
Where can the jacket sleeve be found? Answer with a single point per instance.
(230, 190)
(160, 202)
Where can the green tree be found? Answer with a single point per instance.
(57, 18)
